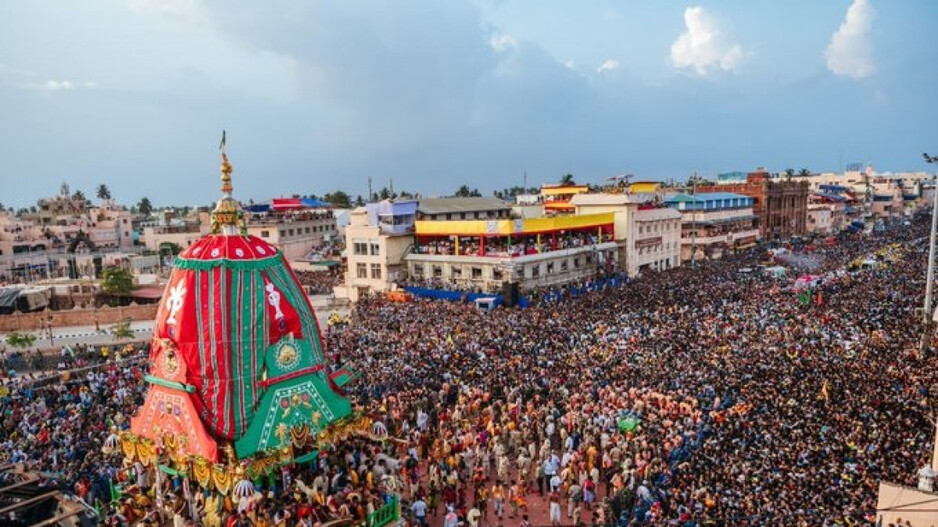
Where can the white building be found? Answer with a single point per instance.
(648, 236)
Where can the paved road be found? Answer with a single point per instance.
(74, 335)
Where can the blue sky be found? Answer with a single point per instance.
(318, 96)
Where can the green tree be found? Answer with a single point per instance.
(567, 180)
(170, 247)
(789, 172)
(359, 201)
(79, 196)
(117, 281)
(144, 206)
(511, 193)
(338, 198)
(122, 331)
(104, 193)
(465, 192)
(21, 340)
(405, 195)
(386, 193)
(804, 172)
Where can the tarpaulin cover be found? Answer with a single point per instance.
(168, 416)
(8, 296)
(228, 300)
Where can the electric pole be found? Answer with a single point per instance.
(930, 275)
(693, 233)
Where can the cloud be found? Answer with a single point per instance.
(52, 85)
(850, 52)
(703, 46)
(608, 65)
(181, 9)
(502, 42)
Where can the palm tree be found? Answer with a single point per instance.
(567, 180)
(104, 193)
(789, 172)
(465, 192)
(804, 172)
(145, 207)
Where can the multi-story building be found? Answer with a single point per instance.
(714, 223)
(780, 203)
(295, 233)
(376, 240)
(440, 209)
(484, 255)
(821, 218)
(648, 234)
(180, 233)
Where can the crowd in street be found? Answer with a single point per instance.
(702, 395)
(688, 397)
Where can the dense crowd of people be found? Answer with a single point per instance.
(751, 405)
(513, 247)
(319, 282)
(689, 397)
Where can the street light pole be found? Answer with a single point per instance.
(930, 275)
(693, 233)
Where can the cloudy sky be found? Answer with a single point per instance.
(320, 95)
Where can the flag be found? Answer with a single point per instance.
(221, 146)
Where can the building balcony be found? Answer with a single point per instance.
(728, 238)
(520, 259)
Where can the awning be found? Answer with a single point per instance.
(148, 293)
(287, 204)
(309, 202)
(258, 207)
(831, 196)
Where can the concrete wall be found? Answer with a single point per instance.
(896, 502)
(77, 317)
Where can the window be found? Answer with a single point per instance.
(307, 230)
(418, 270)
(576, 263)
(281, 232)
(265, 234)
(456, 271)
(564, 265)
(536, 270)
(437, 271)
(376, 271)
(361, 270)
(496, 274)
(360, 248)
(476, 273)
(375, 249)
(550, 267)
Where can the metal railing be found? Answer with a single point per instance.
(385, 515)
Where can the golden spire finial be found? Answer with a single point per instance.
(227, 214)
(226, 187)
